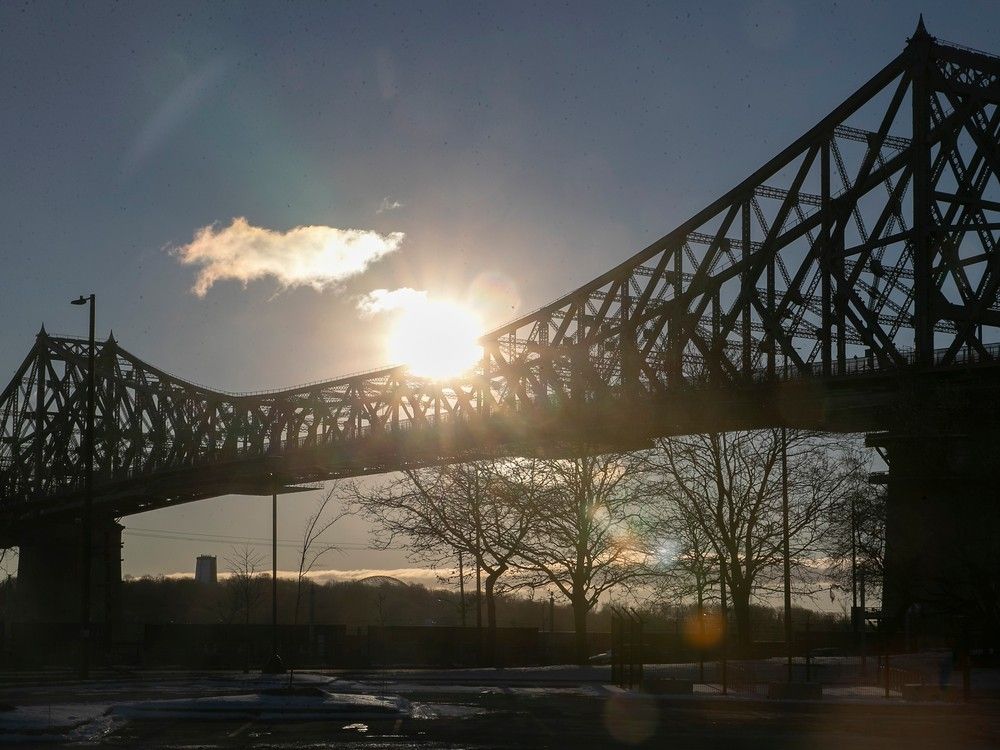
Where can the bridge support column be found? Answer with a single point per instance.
(48, 574)
(943, 526)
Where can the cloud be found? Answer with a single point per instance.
(430, 577)
(384, 300)
(388, 205)
(316, 256)
(433, 578)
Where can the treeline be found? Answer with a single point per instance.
(360, 604)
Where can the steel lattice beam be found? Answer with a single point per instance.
(870, 243)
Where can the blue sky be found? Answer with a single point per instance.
(527, 146)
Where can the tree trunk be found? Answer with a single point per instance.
(491, 617)
(741, 612)
(580, 610)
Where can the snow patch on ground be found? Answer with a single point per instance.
(269, 706)
(45, 723)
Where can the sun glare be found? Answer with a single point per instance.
(435, 339)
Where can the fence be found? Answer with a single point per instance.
(626, 647)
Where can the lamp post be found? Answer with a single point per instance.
(784, 549)
(274, 664)
(786, 560)
(86, 525)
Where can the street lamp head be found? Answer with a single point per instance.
(81, 301)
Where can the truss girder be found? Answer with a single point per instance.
(814, 259)
(873, 237)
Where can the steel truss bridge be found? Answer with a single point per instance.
(850, 283)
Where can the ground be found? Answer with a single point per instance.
(492, 709)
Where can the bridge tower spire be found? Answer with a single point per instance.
(923, 235)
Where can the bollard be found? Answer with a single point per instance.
(966, 664)
(808, 659)
(886, 668)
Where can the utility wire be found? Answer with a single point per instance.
(195, 536)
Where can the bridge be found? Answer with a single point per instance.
(852, 283)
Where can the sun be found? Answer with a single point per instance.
(435, 339)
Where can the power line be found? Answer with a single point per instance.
(195, 536)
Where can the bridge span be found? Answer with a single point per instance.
(852, 283)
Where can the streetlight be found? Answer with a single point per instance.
(274, 665)
(88, 497)
(784, 545)
(786, 561)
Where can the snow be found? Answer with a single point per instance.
(46, 723)
(270, 705)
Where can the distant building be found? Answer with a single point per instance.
(206, 570)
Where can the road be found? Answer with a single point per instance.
(559, 718)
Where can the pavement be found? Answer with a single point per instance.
(470, 708)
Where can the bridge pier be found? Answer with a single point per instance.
(48, 574)
(942, 527)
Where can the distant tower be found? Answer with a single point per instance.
(205, 569)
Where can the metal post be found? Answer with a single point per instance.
(86, 522)
(885, 661)
(461, 585)
(614, 650)
(552, 612)
(864, 626)
(701, 639)
(479, 602)
(854, 568)
(966, 662)
(641, 656)
(784, 549)
(725, 620)
(808, 659)
(274, 573)
(274, 665)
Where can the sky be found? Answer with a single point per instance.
(184, 161)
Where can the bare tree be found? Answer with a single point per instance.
(313, 545)
(587, 538)
(857, 539)
(727, 487)
(246, 586)
(483, 510)
(683, 557)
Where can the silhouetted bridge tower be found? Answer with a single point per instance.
(849, 284)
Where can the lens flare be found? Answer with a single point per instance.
(435, 339)
(703, 632)
(494, 295)
(631, 719)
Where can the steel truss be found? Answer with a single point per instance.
(868, 244)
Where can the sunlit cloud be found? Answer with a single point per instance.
(316, 256)
(386, 300)
(388, 204)
(433, 578)
(434, 338)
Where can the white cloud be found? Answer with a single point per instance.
(316, 256)
(383, 300)
(388, 205)
(430, 577)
